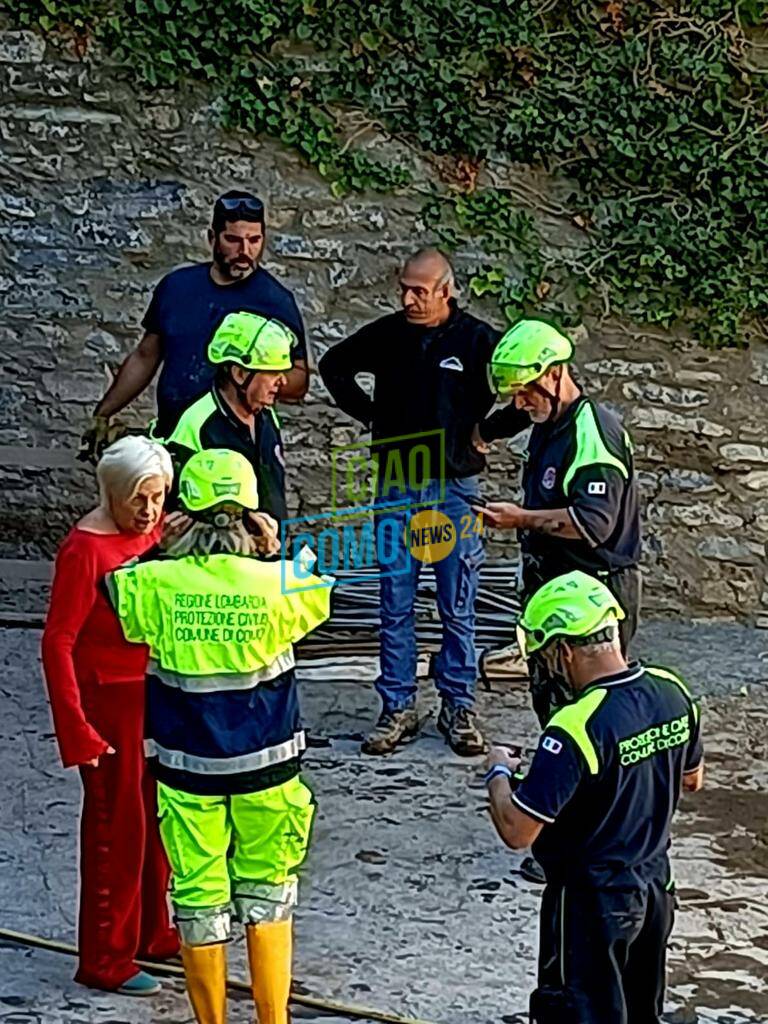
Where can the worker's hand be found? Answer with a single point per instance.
(174, 525)
(502, 755)
(478, 443)
(694, 780)
(266, 530)
(503, 515)
(94, 762)
(97, 436)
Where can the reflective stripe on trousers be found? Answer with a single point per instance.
(241, 849)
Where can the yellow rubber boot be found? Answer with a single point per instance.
(205, 970)
(270, 948)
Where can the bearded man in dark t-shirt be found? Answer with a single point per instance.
(186, 308)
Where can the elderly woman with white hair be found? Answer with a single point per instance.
(95, 682)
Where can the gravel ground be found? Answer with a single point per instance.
(409, 903)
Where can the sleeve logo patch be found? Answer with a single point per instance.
(596, 487)
(551, 745)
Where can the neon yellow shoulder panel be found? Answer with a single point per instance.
(573, 720)
(672, 677)
(215, 615)
(187, 431)
(591, 450)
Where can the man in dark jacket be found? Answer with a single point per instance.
(429, 365)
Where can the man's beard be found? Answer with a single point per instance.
(228, 269)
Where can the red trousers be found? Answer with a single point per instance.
(123, 869)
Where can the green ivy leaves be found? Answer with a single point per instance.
(651, 120)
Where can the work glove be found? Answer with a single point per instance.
(97, 436)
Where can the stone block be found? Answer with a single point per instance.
(757, 480)
(297, 247)
(699, 513)
(81, 388)
(677, 479)
(348, 216)
(744, 453)
(21, 48)
(650, 418)
(17, 206)
(162, 117)
(61, 115)
(101, 344)
(760, 362)
(648, 482)
(730, 549)
(698, 377)
(331, 330)
(624, 368)
(659, 394)
(341, 274)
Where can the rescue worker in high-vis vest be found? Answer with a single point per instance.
(252, 355)
(223, 733)
(596, 804)
(580, 504)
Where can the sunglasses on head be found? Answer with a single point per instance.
(252, 205)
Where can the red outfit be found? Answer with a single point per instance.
(95, 682)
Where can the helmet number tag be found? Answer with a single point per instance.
(551, 745)
(596, 487)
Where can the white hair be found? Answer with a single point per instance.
(599, 649)
(203, 538)
(127, 463)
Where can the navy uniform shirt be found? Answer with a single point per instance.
(186, 308)
(606, 778)
(210, 423)
(582, 462)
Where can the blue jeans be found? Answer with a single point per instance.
(456, 577)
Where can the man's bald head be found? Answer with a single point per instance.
(431, 262)
(426, 287)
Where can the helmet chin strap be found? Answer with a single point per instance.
(563, 670)
(241, 390)
(553, 399)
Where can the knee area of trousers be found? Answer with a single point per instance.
(258, 904)
(203, 926)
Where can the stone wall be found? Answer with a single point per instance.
(103, 189)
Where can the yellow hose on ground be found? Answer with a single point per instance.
(177, 971)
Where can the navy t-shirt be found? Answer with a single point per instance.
(606, 778)
(186, 308)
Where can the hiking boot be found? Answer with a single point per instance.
(459, 726)
(392, 729)
(532, 871)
